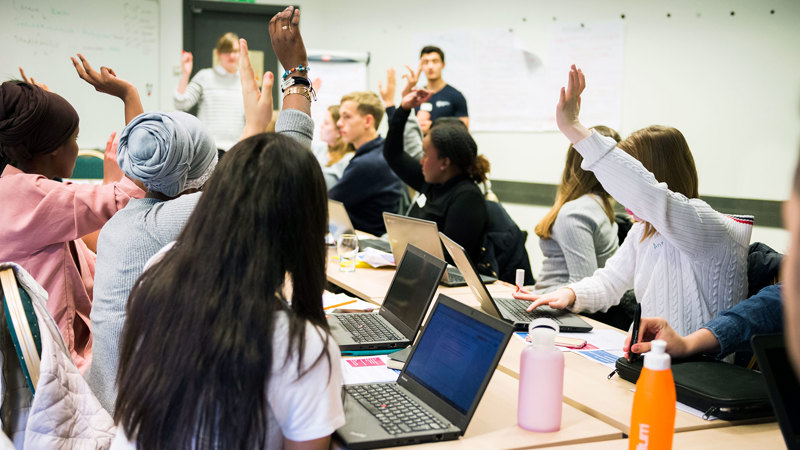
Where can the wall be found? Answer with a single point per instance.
(728, 82)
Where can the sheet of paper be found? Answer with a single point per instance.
(607, 358)
(600, 339)
(376, 258)
(331, 301)
(368, 369)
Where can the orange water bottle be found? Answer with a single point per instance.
(653, 418)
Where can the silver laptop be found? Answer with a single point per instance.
(339, 223)
(440, 386)
(424, 234)
(407, 300)
(509, 308)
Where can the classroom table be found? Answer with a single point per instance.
(743, 437)
(586, 386)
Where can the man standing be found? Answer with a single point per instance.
(446, 101)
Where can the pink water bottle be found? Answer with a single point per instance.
(541, 379)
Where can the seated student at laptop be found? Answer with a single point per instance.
(578, 234)
(445, 177)
(729, 332)
(684, 260)
(219, 351)
(368, 187)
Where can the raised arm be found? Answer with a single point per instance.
(287, 42)
(406, 167)
(689, 224)
(107, 82)
(187, 62)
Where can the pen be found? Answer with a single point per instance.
(340, 304)
(637, 318)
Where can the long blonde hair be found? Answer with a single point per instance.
(339, 148)
(664, 152)
(575, 183)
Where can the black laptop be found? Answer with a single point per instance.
(407, 300)
(509, 308)
(783, 385)
(439, 388)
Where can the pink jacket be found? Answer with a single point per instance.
(42, 222)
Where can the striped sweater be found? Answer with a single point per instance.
(692, 269)
(218, 95)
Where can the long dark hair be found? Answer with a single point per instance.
(196, 351)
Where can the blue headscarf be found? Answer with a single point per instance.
(168, 152)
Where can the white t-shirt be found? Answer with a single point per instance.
(300, 409)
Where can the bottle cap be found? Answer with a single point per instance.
(543, 332)
(657, 358)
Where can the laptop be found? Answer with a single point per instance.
(783, 384)
(407, 300)
(424, 234)
(509, 308)
(439, 387)
(339, 223)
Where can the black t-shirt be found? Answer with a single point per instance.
(448, 102)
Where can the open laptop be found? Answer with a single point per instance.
(407, 300)
(438, 389)
(424, 234)
(509, 308)
(339, 223)
(783, 385)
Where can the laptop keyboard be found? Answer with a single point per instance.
(367, 328)
(517, 309)
(454, 276)
(378, 244)
(396, 412)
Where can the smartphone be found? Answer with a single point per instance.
(569, 342)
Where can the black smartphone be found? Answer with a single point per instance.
(637, 319)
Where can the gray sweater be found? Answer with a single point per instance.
(582, 240)
(126, 242)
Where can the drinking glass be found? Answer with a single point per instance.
(347, 249)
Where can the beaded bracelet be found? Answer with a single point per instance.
(299, 68)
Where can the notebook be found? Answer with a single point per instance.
(509, 308)
(438, 389)
(783, 385)
(407, 300)
(339, 223)
(403, 230)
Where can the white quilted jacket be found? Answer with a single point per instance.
(64, 414)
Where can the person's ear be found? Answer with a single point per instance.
(445, 163)
(369, 121)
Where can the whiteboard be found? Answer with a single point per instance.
(41, 35)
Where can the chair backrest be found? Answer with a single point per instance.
(504, 246)
(22, 326)
(89, 165)
(763, 264)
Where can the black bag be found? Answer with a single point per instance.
(719, 389)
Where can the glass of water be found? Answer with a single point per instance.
(347, 249)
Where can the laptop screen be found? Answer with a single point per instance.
(413, 286)
(454, 356)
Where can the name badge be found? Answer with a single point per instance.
(421, 200)
(426, 107)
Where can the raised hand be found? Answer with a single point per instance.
(387, 93)
(317, 84)
(257, 103)
(558, 299)
(569, 107)
(284, 31)
(416, 97)
(107, 82)
(187, 61)
(411, 78)
(111, 171)
(31, 80)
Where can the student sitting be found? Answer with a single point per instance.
(335, 154)
(445, 177)
(226, 345)
(174, 156)
(684, 261)
(578, 234)
(368, 186)
(729, 332)
(43, 219)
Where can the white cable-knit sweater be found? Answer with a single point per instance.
(693, 268)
